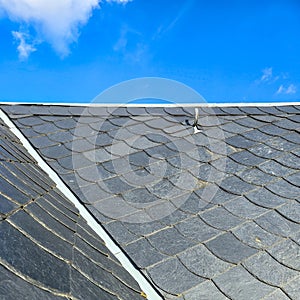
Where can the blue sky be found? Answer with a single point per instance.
(228, 51)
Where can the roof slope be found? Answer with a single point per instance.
(47, 250)
(205, 216)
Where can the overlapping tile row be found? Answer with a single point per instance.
(47, 249)
(212, 215)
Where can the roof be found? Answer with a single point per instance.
(207, 215)
(47, 249)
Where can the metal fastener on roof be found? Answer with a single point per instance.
(195, 124)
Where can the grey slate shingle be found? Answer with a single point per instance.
(242, 208)
(43, 237)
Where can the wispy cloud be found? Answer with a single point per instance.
(127, 35)
(119, 1)
(267, 74)
(289, 90)
(54, 21)
(163, 29)
(270, 78)
(131, 46)
(25, 47)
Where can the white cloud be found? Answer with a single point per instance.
(289, 90)
(55, 21)
(267, 74)
(280, 90)
(25, 48)
(119, 1)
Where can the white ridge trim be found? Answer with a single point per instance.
(110, 244)
(200, 104)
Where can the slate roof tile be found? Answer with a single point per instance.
(288, 109)
(42, 141)
(264, 151)
(253, 235)
(268, 270)
(30, 121)
(101, 277)
(228, 165)
(14, 287)
(228, 248)
(43, 232)
(200, 261)
(143, 253)
(121, 232)
(220, 218)
(67, 123)
(6, 205)
(281, 144)
(284, 189)
(248, 151)
(273, 130)
(41, 235)
(15, 246)
(291, 211)
(265, 198)
(234, 128)
(287, 253)
(169, 241)
(256, 176)
(293, 137)
(176, 271)
(56, 151)
(91, 290)
(206, 290)
(289, 160)
(292, 288)
(294, 179)
(278, 294)
(275, 223)
(237, 283)
(274, 168)
(236, 186)
(288, 124)
(243, 208)
(255, 135)
(246, 158)
(196, 230)
(271, 110)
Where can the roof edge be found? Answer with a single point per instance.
(241, 104)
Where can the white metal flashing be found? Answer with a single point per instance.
(110, 244)
(203, 104)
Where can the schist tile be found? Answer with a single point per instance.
(228, 248)
(197, 230)
(267, 269)
(205, 290)
(14, 287)
(287, 253)
(168, 276)
(38, 265)
(265, 198)
(274, 223)
(143, 253)
(291, 211)
(169, 241)
(243, 208)
(220, 218)
(43, 236)
(202, 262)
(237, 283)
(253, 235)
